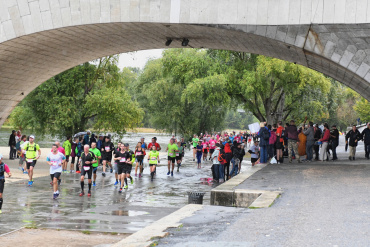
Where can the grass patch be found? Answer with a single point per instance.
(254, 207)
(86, 232)
(114, 233)
(33, 226)
(155, 243)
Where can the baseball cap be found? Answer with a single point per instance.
(126, 144)
(32, 136)
(142, 137)
(1, 156)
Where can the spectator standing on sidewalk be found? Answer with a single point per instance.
(366, 137)
(334, 137)
(317, 138)
(324, 140)
(292, 134)
(352, 138)
(310, 133)
(11, 144)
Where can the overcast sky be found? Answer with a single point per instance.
(138, 58)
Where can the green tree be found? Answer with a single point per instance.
(362, 108)
(181, 92)
(273, 89)
(89, 95)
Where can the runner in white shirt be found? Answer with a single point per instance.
(55, 160)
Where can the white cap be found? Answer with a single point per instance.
(1, 156)
(32, 136)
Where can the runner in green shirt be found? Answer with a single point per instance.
(172, 150)
(67, 145)
(195, 141)
(153, 159)
(98, 157)
(31, 158)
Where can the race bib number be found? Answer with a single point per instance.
(29, 160)
(177, 154)
(153, 158)
(138, 153)
(170, 154)
(204, 146)
(107, 149)
(86, 168)
(54, 163)
(123, 160)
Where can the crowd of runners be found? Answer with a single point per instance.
(226, 151)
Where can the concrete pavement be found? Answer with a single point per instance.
(323, 204)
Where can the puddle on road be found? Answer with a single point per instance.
(128, 213)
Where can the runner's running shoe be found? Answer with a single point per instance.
(168, 173)
(120, 190)
(126, 187)
(78, 172)
(116, 183)
(103, 174)
(94, 184)
(89, 193)
(111, 170)
(132, 181)
(82, 193)
(139, 175)
(55, 196)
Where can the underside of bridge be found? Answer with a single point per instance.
(339, 51)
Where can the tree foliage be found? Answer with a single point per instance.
(91, 95)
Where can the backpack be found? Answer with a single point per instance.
(221, 157)
(266, 134)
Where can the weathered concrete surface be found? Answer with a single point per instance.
(41, 38)
(324, 204)
(227, 195)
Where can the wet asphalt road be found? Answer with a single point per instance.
(323, 204)
(107, 210)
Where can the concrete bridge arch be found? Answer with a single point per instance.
(41, 38)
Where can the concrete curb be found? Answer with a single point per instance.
(145, 236)
(227, 195)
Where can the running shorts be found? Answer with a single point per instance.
(172, 159)
(152, 164)
(88, 172)
(73, 160)
(120, 169)
(140, 160)
(107, 158)
(33, 163)
(254, 160)
(178, 157)
(205, 151)
(94, 169)
(2, 182)
(67, 158)
(127, 169)
(55, 175)
(211, 151)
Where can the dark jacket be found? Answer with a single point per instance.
(366, 136)
(353, 136)
(292, 132)
(317, 134)
(263, 142)
(335, 133)
(12, 140)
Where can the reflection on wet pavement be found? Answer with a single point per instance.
(107, 210)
